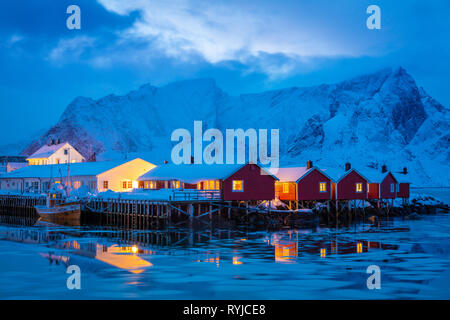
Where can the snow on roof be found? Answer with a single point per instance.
(402, 178)
(337, 174)
(191, 173)
(376, 176)
(58, 170)
(46, 151)
(289, 174)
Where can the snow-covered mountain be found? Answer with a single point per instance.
(376, 119)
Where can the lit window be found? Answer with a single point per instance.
(175, 184)
(130, 184)
(57, 161)
(359, 187)
(105, 184)
(199, 186)
(217, 185)
(76, 184)
(124, 185)
(238, 185)
(285, 187)
(74, 161)
(392, 187)
(323, 187)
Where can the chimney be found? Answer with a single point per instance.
(348, 166)
(309, 164)
(405, 170)
(383, 168)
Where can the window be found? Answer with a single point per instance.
(398, 187)
(285, 187)
(392, 187)
(238, 185)
(66, 152)
(217, 185)
(57, 161)
(175, 184)
(130, 184)
(92, 185)
(124, 185)
(322, 186)
(359, 187)
(199, 186)
(105, 184)
(212, 185)
(76, 184)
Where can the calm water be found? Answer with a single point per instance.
(321, 263)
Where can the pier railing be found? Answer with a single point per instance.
(196, 195)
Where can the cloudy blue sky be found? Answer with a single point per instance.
(245, 45)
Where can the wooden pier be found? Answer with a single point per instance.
(195, 208)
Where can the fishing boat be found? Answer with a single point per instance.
(58, 210)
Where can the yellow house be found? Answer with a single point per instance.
(55, 154)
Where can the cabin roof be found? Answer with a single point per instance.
(402, 178)
(376, 176)
(289, 174)
(337, 174)
(46, 151)
(192, 173)
(58, 170)
(294, 174)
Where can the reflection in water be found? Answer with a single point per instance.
(176, 263)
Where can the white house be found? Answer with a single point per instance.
(119, 176)
(55, 154)
(11, 163)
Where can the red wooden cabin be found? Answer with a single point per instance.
(348, 184)
(382, 185)
(403, 184)
(302, 183)
(233, 182)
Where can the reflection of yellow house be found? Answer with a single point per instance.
(286, 251)
(122, 258)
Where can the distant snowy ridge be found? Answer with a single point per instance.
(376, 119)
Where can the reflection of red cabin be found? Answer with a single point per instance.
(383, 186)
(349, 184)
(302, 183)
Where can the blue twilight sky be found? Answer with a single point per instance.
(245, 45)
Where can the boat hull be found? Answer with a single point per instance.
(65, 214)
